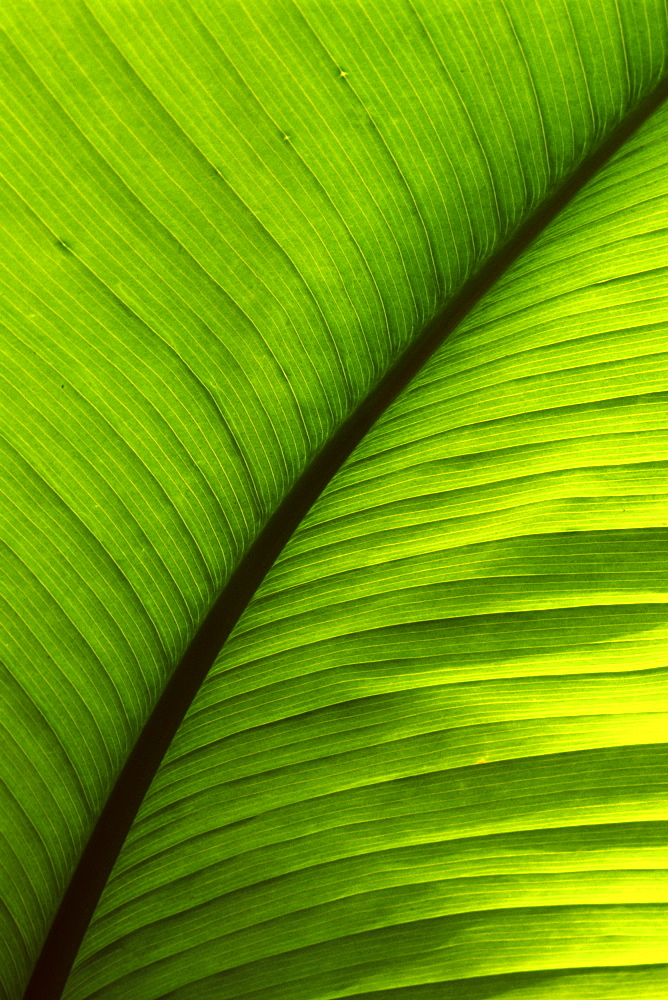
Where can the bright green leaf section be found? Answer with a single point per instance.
(431, 761)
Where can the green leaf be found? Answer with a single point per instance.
(430, 759)
(431, 749)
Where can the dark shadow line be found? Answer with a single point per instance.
(91, 875)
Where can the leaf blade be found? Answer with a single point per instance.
(162, 267)
(439, 656)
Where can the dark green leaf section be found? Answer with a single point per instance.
(431, 759)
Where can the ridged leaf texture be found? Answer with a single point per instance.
(429, 762)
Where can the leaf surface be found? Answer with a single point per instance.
(433, 749)
(222, 224)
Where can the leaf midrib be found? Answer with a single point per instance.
(90, 877)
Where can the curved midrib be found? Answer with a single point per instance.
(79, 902)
